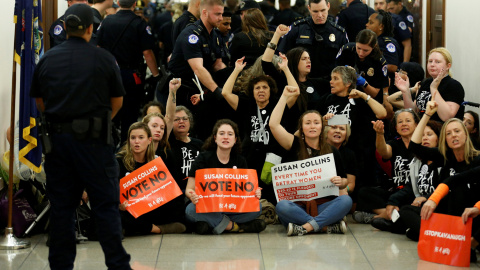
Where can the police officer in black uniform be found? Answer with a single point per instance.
(198, 51)
(371, 68)
(130, 40)
(190, 16)
(354, 17)
(57, 32)
(78, 88)
(320, 36)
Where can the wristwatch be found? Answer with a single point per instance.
(272, 46)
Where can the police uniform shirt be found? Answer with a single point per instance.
(194, 42)
(76, 80)
(354, 18)
(181, 23)
(286, 16)
(450, 89)
(407, 17)
(374, 71)
(322, 53)
(136, 39)
(57, 32)
(400, 31)
(389, 47)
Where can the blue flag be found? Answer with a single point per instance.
(28, 50)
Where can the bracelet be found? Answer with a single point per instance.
(385, 94)
(428, 115)
(368, 98)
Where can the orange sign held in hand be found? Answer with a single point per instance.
(148, 188)
(445, 239)
(226, 190)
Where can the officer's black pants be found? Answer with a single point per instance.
(71, 167)
(132, 101)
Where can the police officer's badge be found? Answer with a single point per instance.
(192, 39)
(410, 18)
(385, 70)
(331, 37)
(402, 25)
(370, 72)
(149, 30)
(310, 90)
(242, 4)
(391, 47)
(57, 30)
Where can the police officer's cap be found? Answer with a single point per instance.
(248, 4)
(78, 17)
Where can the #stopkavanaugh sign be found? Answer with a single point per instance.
(148, 187)
(306, 179)
(226, 190)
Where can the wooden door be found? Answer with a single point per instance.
(435, 25)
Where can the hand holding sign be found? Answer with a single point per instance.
(428, 209)
(193, 197)
(339, 181)
(258, 193)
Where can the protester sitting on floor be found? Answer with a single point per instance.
(153, 106)
(337, 136)
(423, 181)
(470, 120)
(254, 111)
(222, 150)
(374, 199)
(319, 215)
(138, 151)
(346, 101)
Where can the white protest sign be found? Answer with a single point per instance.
(305, 180)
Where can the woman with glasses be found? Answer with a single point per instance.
(450, 92)
(367, 59)
(372, 201)
(184, 148)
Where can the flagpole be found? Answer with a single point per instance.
(10, 242)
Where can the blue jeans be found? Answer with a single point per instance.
(71, 167)
(219, 220)
(328, 213)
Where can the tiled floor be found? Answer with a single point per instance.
(362, 247)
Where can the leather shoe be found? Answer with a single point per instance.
(382, 224)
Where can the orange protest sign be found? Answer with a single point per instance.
(226, 190)
(148, 188)
(445, 239)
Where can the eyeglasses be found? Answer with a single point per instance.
(318, 37)
(404, 110)
(184, 119)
